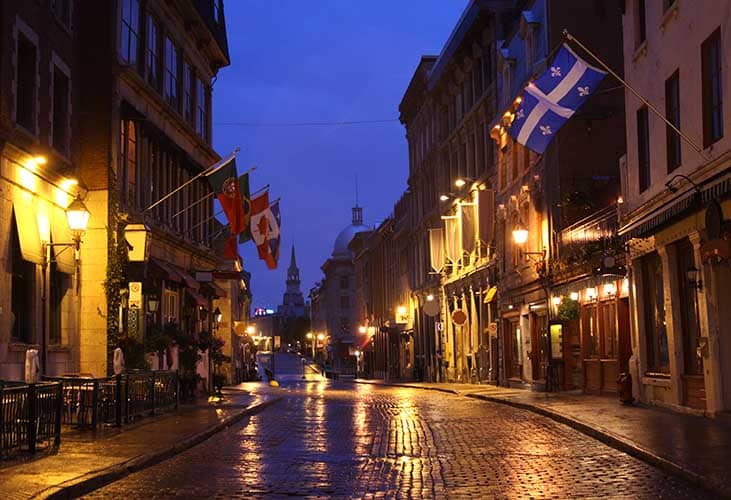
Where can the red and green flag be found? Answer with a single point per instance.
(245, 235)
(225, 183)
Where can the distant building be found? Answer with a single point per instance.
(293, 303)
(333, 300)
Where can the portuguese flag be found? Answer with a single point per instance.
(225, 184)
(245, 235)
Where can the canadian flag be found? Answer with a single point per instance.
(264, 227)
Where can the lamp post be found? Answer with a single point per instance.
(77, 218)
(310, 337)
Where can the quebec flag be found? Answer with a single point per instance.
(552, 98)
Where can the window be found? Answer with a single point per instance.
(672, 113)
(171, 73)
(62, 10)
(610, 340)
(467, 92)
(152, 64)
(712, 89)
(344, 302)
(22, 290)
(60, 123)
(130, 31)
(344, 282)
(201, 110)
(643, 148)
(640, 23)
(26, 84)
(514, 161)
(477, 76)
(458, 107)
(503, 170)
(217, 11)
(128, 157)
(188, 78)
(170, 306)
(655, 333)
(60, 284)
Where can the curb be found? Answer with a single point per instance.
(607, 437)
(96, 479)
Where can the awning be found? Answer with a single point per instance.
(675, 209)
(61, 233)
(490, 295)
(197, 297)
(28, 236)
(189, 281)
(169, 271)
(214, 289)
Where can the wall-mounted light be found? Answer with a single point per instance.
(251, 330)
(591, 293)
(574, 296)
(77, 216)
(556, 300)
(362, 329)
(217, 316)
(430, 298)
(610, 289)
(520, 234)
(138, 242)
(463, 181)
(153, 303)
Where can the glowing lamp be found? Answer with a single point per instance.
(520, 234)
(77, 216)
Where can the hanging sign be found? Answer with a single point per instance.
(459, 317)
(135, 295)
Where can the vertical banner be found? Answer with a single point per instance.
(486, 216)
(467, 215)
(436, 249)
(474, 324)
(452, 238)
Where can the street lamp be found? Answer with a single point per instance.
(217, 317)
(77, 216)
(462, 181)
(138, 242)
(520, 237)
(312, 343)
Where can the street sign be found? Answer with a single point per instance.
(135, 295)
(459, 317)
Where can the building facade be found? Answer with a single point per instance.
(142, 128)
(676, 211)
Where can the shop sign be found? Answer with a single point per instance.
(135, 295)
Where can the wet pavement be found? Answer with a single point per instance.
(87, 459)
(337, 439)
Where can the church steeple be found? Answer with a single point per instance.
(293, 273)
(293, 305)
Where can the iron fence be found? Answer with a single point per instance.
(30, 415)
(90, 402)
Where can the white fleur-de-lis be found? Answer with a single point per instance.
(583, 91)
(555, 71)
(519, 115)
(546, 130)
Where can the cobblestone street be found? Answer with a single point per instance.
(336, 439)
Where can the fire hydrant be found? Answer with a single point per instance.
(624, 388)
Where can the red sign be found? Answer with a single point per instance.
(459, 317)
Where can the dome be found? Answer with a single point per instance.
(340, 248)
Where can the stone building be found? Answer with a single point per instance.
(40, 149)
(293, 302)
(333, 301)
(676, 207)
(142, 128)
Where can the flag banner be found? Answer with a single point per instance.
(474, 323)
(486, 216)
(275, 225)
(436, 249)
(467, 216)
(452, 238)
(259, 224)
(245, 235)
(225, 183)
(225, 244)
(552, 98)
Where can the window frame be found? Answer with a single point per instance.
(712, 88)
(644, 167)
(128, 56)
(672, 113)
(57, 64)
(23, 30)
(171, 87)
(152, 54)
(653, 315)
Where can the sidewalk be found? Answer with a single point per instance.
(696, 448)
(86, 461)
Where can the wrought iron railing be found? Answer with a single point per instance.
(593, 233)
(30, 415)
(116, 400)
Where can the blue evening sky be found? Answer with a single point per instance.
(296, 61)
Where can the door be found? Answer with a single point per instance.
(514, 352)
(539, 346)
(694, 388)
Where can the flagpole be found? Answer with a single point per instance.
(259, 190)
(213, 168)
(647, 103)
(193, 204)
